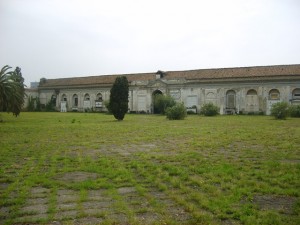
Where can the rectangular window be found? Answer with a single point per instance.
(191, 101)
(230, 101)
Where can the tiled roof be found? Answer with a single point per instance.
(239, 72)
(95, 80)
(201, 74)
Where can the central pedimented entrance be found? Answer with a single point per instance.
(154, 94)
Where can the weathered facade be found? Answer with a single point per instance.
(234, 90)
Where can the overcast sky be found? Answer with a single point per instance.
(67, 38)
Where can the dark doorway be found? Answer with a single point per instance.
(154, 95)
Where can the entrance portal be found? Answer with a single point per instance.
(154, 95)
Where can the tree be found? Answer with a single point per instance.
(118, 101)
(12, 90)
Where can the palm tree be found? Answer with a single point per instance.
(12, 90)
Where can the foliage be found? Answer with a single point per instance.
(50, 106)
(30, 105)
(294, 110)
(162, 102)
(107, 106)
(118, 101)
(12, 90)
(280, 110)
(176, 112)
(38, 107)
(209, 109)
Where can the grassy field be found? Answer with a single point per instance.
(87, 168)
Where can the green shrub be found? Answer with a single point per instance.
(295, 110)
(209, 109)
(30, 106)
(280, 110)
(38, 106)
(50, 106)
(176, 112)
(162, 102)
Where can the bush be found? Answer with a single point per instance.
(176, 112)
(295, 110)
(31, 101)
(162, 102)
(209, 109)
(280, 110)
(50, 106)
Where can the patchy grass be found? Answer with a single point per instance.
(81, 168)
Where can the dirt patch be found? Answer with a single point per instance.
(66, 206)
(39, 192)
(65, 196)
(96, 205)
(32, 218)
(178, 213)
(171, 208)
(36, 201)
(119, 218)
(126, 190)
(87, 221)
(147, 217)
(283, 204)
(34, 209)
(97, 195)
(3, 186)
(77, 176)
(62, 215)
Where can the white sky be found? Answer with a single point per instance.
(67, 38)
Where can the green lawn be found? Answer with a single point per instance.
(87, 168)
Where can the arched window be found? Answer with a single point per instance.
(296, 93)
(230, 99)
(99, 97)
(210, 95)
(274, 94)
(75, 100)
(98, 102)
(64, 98)
(251, 92)
(86, 97)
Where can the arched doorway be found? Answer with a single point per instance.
(75, 101)
(155, 94)
(86, 101)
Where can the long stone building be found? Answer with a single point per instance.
(233, 90)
